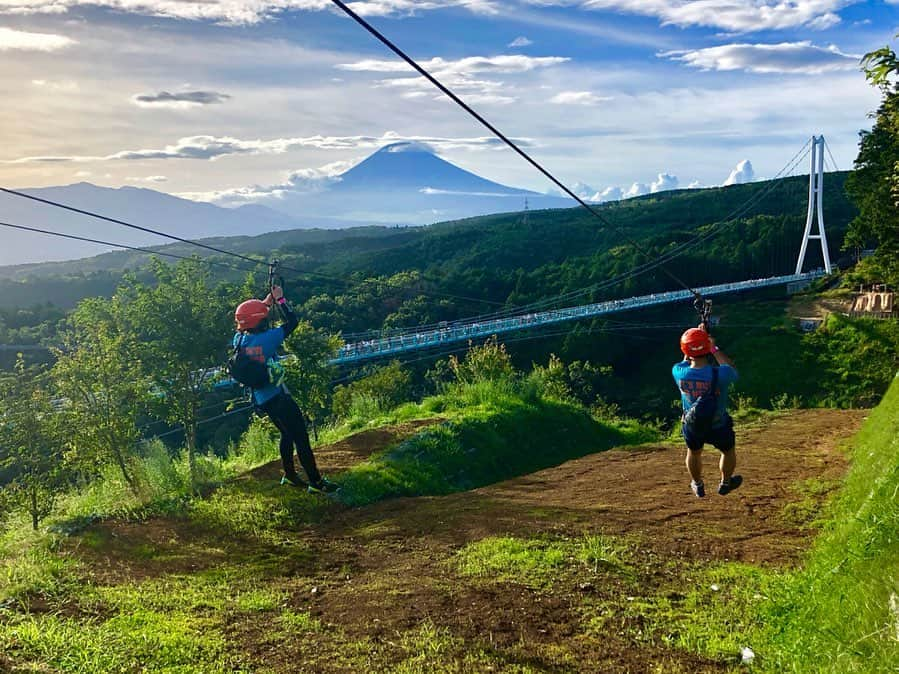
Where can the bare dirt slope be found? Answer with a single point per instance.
(373, 575)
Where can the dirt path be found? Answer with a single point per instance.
(375, 575)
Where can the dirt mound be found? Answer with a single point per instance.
(347, 452)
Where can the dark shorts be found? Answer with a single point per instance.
(721, 437)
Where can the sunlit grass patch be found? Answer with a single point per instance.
(260, 600)
(31, 566)
(301, 621)
(539, 562)
(711, 611)
(140, 640)
(531, 562)
(260, 511)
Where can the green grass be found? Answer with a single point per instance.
(835, 615)
(141, 640)
(539, 562)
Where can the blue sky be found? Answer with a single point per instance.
(223, 100)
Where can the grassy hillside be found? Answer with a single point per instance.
(840, 613)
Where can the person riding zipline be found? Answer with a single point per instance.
(258, 344)
(704, 388)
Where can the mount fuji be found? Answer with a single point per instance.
(403, 183)
(407, 183)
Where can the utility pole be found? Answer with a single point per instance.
(815, 203)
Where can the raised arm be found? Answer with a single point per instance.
(719, 355)
(287, 314)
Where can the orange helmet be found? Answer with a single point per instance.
(250, 314)
(695, 342)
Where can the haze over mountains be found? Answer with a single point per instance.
(403, 183)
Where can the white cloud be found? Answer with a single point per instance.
(65, 85)
(665, 181)
(458, 75)
(611, 194)
(147, 179)
(520, 41)
(393, 7)
(505, 63)
(306, 181)
(584, 191)
(179, 100)
(785, 57)
(225, 11)
(244, 11)
(731, 15)
(742, 173)
(20, 40)
(578, 98)
(694, 185)
(637, 190)
(211, 147)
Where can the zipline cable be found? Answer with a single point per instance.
(256, 262)
(149, 251)
(524, 155)
(715, 229)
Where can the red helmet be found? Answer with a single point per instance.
(695, 342)
(250, 314)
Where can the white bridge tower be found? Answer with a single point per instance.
(815, 203)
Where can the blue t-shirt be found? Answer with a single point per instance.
(263, 347)
(692, 382)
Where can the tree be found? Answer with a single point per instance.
(874, 186)
(307, 373)
(31, 444)
(386, 387)
(181, 327)
(99, 375)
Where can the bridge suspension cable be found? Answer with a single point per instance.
(669, 255)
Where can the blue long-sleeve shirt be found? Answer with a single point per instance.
(263, 347)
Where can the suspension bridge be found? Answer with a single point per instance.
(445, 333)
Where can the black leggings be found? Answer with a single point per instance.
(287, 417)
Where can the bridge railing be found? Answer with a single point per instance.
(460, 332)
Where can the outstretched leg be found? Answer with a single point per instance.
(694, 464)
(286, 443)
(727, 464)
(293, 418)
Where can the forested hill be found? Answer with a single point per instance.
(507, 257)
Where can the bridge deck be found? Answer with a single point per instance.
(463, 331)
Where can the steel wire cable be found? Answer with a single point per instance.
(495, 131)
(715, 229)
(149, 251)
(833, 161)
(221, 251)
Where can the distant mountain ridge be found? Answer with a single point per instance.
(402, 183)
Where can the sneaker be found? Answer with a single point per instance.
(698, 488)
(293, 481)
(727, 486)
(323, 486)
